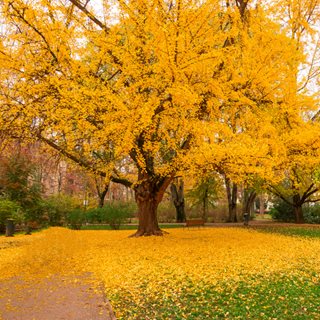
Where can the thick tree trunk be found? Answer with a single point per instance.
(232, 195)
(177, 195)
(148, 195)
(147, 214)
(298, 214)
(297, 208)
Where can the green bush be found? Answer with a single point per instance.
(282, 211)
(114, 214)
(75, 218)
(96, 215)
(20, 184)
(312, 214)
(8, 210)
(58, 207)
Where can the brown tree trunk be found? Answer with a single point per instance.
(102, 196)
(248, 201)
(232, 195)
(177, 195)
(147, 214)
(205, 207)
(102, 189)
(298, 214)
(148, 195)
(297, 208)
(261, 204)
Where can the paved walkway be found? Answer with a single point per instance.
(57, 298)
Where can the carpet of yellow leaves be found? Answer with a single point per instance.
(158, 265)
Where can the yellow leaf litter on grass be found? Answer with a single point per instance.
(163, 264)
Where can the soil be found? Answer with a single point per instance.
(56, 298)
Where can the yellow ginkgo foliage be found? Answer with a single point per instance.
(164, 85)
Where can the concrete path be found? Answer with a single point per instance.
(57, 298)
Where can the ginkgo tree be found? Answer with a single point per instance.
(298, 127)
(156, 83)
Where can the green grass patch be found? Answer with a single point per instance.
(281, 298)
(309, 232)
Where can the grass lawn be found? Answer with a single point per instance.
(206, 273)
(309, 232)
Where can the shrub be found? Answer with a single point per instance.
(8, 210)
(312, 214)
(114, 214)
(58, 207)
(282, 211)
(75, 218)
(96, 215)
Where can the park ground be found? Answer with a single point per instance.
(260, 272)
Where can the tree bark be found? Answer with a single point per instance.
(148, 195)
(205, 206)
(9, 228)
(297, 208)
(261, 204)
(232, 195)
(101, 192)
(102, 196)
(248, 200)
(177, 195)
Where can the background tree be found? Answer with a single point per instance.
(299, 130)
(177, 196)
(232, 197)
(205, 194)
(20, 185)
(8, 210)
(248, 197)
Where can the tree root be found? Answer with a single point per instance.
(144, 233)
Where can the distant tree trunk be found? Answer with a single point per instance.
(232, 195)
(9, 228)
(177, 196)
(205, 206)
(102, 196)
(298, 200)
(297, 208)
(261, 204)
(101, 192)
(249, 196)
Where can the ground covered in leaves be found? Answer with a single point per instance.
(207, 273)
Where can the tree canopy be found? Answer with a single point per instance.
(164, 86)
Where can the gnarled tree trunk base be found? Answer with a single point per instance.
(145, 233)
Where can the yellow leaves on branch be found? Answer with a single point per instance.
(153, 77)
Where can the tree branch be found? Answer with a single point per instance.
(90, 15)
(273, 190)
(21, 16)
(84, 164)
(309, 193)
